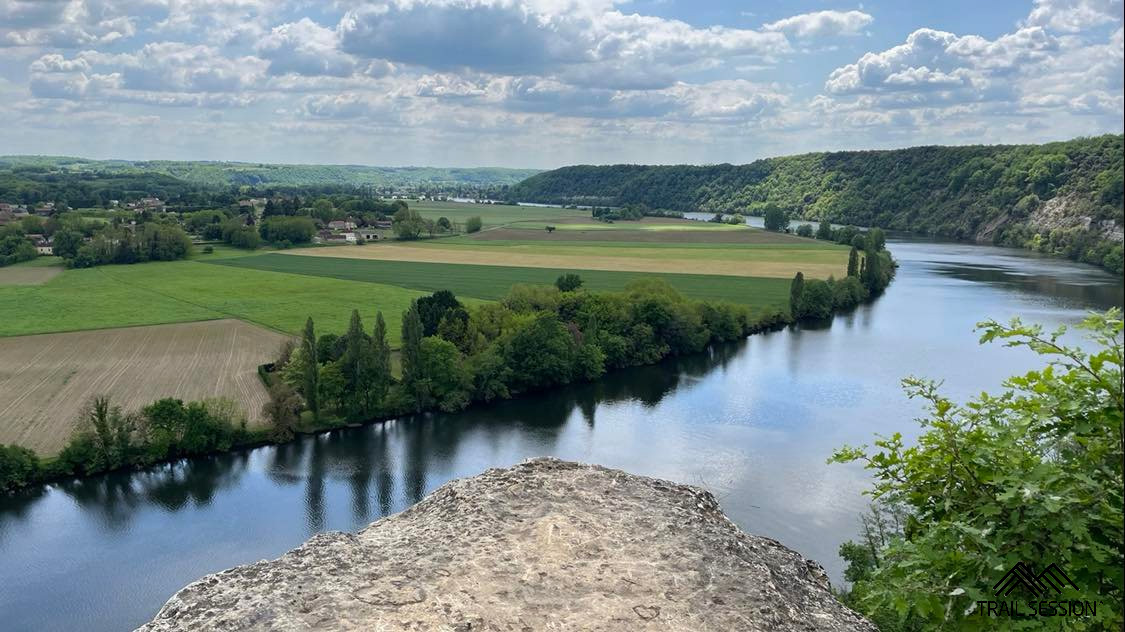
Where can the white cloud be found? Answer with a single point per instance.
(822, 24)
(1072, 16)
(582, 42)
(304, 48)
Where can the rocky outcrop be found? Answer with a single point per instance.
(544, 545)
(1061, 212)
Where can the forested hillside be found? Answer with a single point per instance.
(1064, 198)
(222, 174)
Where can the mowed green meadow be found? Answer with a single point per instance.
(495, 214)
(492, 282)
(182, 291)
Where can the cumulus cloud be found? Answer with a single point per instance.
(822, 24)
(304, 48)
(583, 42)
(1072, 16)
(65, 23)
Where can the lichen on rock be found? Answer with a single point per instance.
(543, 545)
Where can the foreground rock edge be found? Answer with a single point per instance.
(546, 544)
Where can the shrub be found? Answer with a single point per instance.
(1032, 475)
(568, 282)
(18, 467)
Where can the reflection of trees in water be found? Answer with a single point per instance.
(115, 498)
(14, 508)
(193, 482)
(1087, 290)
(363, 457)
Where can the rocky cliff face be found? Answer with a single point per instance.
(544, 545)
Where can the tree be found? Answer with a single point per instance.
(853, 262)
(776, 219)
(796, 289)
(311, 371)
(473, 224)
(1033, 474)
(877, 238)
(408, 224)
(294, 230)
(568, 282)
(18, 467)
(432, 308)
(282, 409)
(805, 230)
(824, 231)
(444, 225)
(381, 359)
(66, 243)
(411, 347)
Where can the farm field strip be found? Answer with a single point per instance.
(28, 275)
(45, 380)
(188, 291)
(662, 265)
(493, 282)
(656, 252)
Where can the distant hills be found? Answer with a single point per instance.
(223, 174)
(1063, 198)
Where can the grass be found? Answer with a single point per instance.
(183, 291)
(812, 252)
(493, 282)
(494, 214)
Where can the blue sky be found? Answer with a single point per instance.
(543, 83)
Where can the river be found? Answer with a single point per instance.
(753, 422)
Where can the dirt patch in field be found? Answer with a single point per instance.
(28, 275)
(45, 380)
(432, 254)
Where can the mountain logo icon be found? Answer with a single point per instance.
(1051, 580)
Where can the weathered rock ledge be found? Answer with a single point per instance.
(544, 545)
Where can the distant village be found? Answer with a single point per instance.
(348, 230)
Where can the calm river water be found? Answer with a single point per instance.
(753, 422)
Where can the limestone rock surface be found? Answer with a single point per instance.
(543, 545)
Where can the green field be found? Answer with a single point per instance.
(181, 291)
(492, 282)
(494, 214)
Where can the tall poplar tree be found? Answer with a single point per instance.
(312, 368)
(853, 262)
(796, 288)
(411, 347)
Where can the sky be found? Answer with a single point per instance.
(546, 83)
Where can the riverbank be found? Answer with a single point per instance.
(120, 440)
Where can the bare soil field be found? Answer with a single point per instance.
(45, 380)
(28, 275)
(434, 253)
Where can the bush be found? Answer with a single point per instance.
(18, 467)
(1032, 475)
(805, 230)
(568, 282)
(473, 224)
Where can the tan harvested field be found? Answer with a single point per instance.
(434, 253)
(45, 380)
(28, 275)
(749, 236)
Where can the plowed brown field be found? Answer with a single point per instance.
(45, 380)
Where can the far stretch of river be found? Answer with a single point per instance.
(753, 422)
